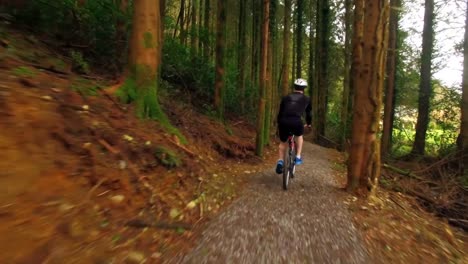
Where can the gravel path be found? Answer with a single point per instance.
(306, 224)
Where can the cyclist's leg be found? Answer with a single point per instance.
(282, 150)
(298, 130)
(283, 130)
(283, 135)
(299, 142)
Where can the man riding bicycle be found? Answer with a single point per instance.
(289, 121)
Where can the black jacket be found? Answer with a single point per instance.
(293, 106)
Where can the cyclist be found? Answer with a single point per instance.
(289, 121)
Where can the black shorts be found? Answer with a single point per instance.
(288, 127)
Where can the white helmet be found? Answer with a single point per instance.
(300, 84)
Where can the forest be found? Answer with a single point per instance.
(170, 107)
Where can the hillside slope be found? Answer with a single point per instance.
(83, 181)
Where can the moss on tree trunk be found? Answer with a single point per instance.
(142, 80)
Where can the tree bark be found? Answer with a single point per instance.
(368, 67)
(391, 78)
(263, 79)
(200, 28)
(286, 53)
(312, 36)
(206, 23)
(220, 40)
(194, 31)
(181, 21)
(242, 40)
(425, 85)
(463, 144)
(270, 65)
(322, 58)
(254, 74)
(347, 71)
(299, 34)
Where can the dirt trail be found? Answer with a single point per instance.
(307, 224)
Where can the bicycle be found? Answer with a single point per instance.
(289, 162)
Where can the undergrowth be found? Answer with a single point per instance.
(24, 71)
(167, 157)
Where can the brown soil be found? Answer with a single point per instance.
(79, 180)
(396, 229)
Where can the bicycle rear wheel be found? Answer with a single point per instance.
(292, 162)
(287, 170)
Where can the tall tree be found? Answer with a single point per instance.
(321, 67)
(242, 51)
(263, 78)
(425, 85)
(389, 108)
(200, 27)
(368, 67)
(220, 40)
(347, 70)
(144, 60)
(206, 25)
(194, 29)
(142, 76)
(286, 53)
(312, 36)
(463, 138)
(270, 65)
(299, 35)
(255, 44)
(181, 21)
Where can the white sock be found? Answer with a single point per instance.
(299, 157)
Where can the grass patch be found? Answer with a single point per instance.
(24, 72)
(167, 157)
(229, 130)
(85, 87)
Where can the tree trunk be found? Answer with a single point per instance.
(425, 85)
(200, 28)
(316, 84)
(263, 79)
(255, 43)
(242, 40)
(270, 83)
(181, 21)
(142, 76)
(194, 37)
(286, 53)
(206, 23)
(322, 57)
(347, 71)
(299, 33)
(391, 78)
(144, 58)
(368, 67)
(220, 40)
(463, 144)
(311, 76)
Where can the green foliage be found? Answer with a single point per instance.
(92, 25)
(85, 87)
(193, 73)
(79, 63)
(229, 130)
(167, 157)
(443, 128)
(24, 72)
